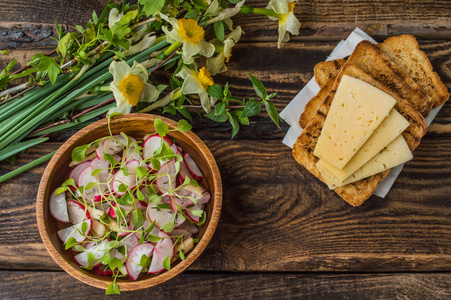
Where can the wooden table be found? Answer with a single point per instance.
(282, 233)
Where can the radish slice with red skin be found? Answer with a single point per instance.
(99, 270)
(146, 224)
(184, 172)
(129, 242)
(183, 202)
(112, 211)
(129, 180)
(192, 166)
(162, 216)
(58, 207)
(189, 226)
(152, 143)
(74, 231)
(77, 170)
(197, 192)
(77, 212)
(163, 249)
(166, 177)
(190, 215)
(84, 179)
(134, 258)
(176, 233)
(97, 249)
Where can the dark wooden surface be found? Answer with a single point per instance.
(282, 233)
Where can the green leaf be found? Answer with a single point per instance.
(61, 190)
(251, 109)
(185, 112)
(199, 4)
(79, 248)
(91, 258)
(258, 87)
(219, 109)
(80, 28)
(141, 172)
(161, 127)
(70, 243)
(183, 126)
(197, 212)
(182, 255)
(167, 263)
(238, 113)
(113, 289)
(79, 153)
(115, 263)
(90, 186)
(202, 220)
(65, 43)
(95, 172)
(110, 245)
(137, 218)
(84, 227)
(164, 206)
(155, 163)
(105, 259)
(235, 125)
(170, 109)
(272, 112)
(216, 90)
(122, 188)
(51, 66)
(144, 261)
(140, 195)
(221, 118)
(155, 199)
(151, 6)
(153, 238)
(168, 227)
(219, 30)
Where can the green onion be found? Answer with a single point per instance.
(11, 150)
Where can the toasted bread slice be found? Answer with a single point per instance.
(355, 193)
(369, 58)
(325, 70)
(405, 52)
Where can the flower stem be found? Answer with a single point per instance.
(200, 106)
(26, 167)
(169, 50)
(164, 61)
(246, 9)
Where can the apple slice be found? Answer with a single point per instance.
(134, 258)
(58, 207)
(163, 249)
(75, 232)
(192, 166)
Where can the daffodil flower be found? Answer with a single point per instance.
(287, 20)
(191, 35)
(146, 42)
(227, 13)
(197, 82)
(215, 65)
(130, 86)
(114, 17)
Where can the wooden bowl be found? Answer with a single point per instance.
(136, 125)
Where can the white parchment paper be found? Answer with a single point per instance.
(294, 109)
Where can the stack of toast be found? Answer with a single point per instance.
(397, 67)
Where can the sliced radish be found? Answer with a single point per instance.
(146, 224)
(197, 192)
(75, 232)
(84, 179)
(190, 215)
(134, 258)
(162, 216)
(112, 211)
(58, 207)
(162, 250)
(99, 270)
(77, 212)
(176, 233)
(77, 170)
(129, 180)
(184, 172)
(183, 202)
(166, 177)
(193, 168)
(189, 226)
(129, 242)
(97, 249)
(152, 143)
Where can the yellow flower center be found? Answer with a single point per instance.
(205, 77)
(190, 31)
(132, 87)
(291, 6)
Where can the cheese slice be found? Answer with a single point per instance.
(356, 111)
(396, 153)
(392, 126)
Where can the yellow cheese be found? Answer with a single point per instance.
(392, 126)
(396, 153)
(356, 111)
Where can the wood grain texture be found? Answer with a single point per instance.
(56, 285)
(270, 200)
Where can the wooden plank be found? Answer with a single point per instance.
(49, 285)
(276, 209)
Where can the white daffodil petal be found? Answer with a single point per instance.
(160, 103)
(113, 17)
(188, 51)
(279, 6)
(213, 101)
(282, 33)
(227, 13)
(173, 21)
(171, 36)
(229, 23)
(235, 35)
(147, 42)
(205, 101)
(192, 86)
(206, 49)
(185, 71)
(119, 70)
(138, 69)
(293, 24)
(123, 108)
(212, 8)
(228, 44)
(215, 65)
(151, 63)
(150, 93)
